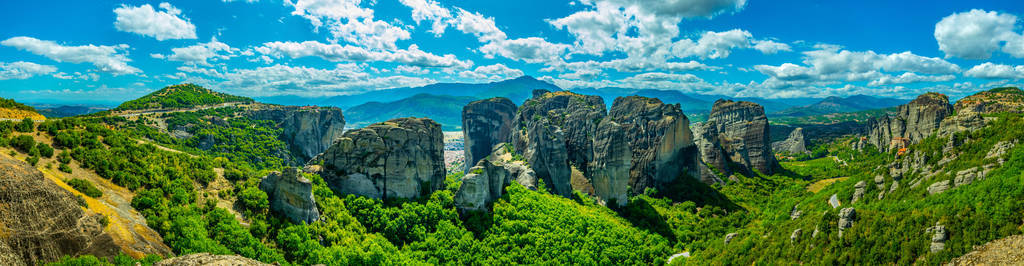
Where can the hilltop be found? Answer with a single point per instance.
(1005, 99)
(10, 109)
(180, 96)
(517, 90)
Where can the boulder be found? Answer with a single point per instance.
(858, 191)
(846, 217)
(938, 237)
(486, 123)
(308, 130)
(834, 201)
(729, 237)
(291, 195)
(795, 235)
(913, 122)
(794, 144)
(999, 151)
(795, 213)
(401, 158)
(741, 130)
(661, 141)
(486, 181)
(938, 187)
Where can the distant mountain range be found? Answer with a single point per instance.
(835, 104)
(53, 111)
(443, 102)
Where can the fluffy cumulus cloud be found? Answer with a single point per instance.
(147, 21)
(23, 70)
(532, 49)
(491, 72)
(200, 54)
(347, 20)
(976, 34)
(720, 44)
(305, 81)
(110, 59)
(909, 77)
(429, 10)
(479, 25)
(828, 64)
(339, 53)
(989, 70)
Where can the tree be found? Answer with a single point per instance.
(26, 125)
(44, 150)
(23, 143)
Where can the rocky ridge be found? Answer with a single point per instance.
(736, 132)
(914, 121)
(308, 130)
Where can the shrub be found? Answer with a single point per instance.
(45, 150)
(64, 168)
(23, 143)
(26, 125)
(85, 187)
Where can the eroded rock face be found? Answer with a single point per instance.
(41, 222)
(553, 130)
(612, 161)
(794, 144)
(291, 195)
(486, 181)
(308, 130)
(858, 191)
(938, 187)
(208, 259)
(741, 130)
(939, 237)
(486, 123)
(402, 157)
(660, 139)
(914, 121)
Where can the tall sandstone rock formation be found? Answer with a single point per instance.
(486, 123)
(659, 138)
(794, 144)
(402, 157)
(308, 130)
(485, 182)
(736, 132)
(41, 222)
(553, 130)
(291, 195)
(613, 159)
(914, 121)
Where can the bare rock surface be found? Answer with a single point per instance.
(914, 121)
(740, 129)
(207, 259)
(661, 141)
(794, 144)
(1005, 251)
(486, 123)
(485, 182)
(308, 130)
(291, 195)
(402, 157)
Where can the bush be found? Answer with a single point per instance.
(64, 168)
(85, 187)
(23, 143)
(253, 199)
(26, 125)
(32, 160)
(44, 150)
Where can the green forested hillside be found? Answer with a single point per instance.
(180, 96)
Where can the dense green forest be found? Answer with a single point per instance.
(180, 96)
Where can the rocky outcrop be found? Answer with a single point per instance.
(660, 139)
(938, 237)
(794, 144)
(858, 191)
(740, 130)
(834, 201)
(609, 170)
(291, 195)
(1005, 251)
(308, 130)
(914, 121)
(486, 123)
(729, 237)
(938, 187)
(41, 222)
(554, 130)
(210, 260)
(795, 235)
(998, 100)
(846, 217)
(485, 182)
(401, 158)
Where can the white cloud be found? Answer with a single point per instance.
(976, 34)
(146, 21)
(989, 70)
(480, 26)
(412, 70)
(346, 20)
(199, 54)
(532, 49)
(338, 53)
(771, 47)
(106, 58)
(308, 81)
(423, 10)
(491, 72)
(23, 70)
(909, 77)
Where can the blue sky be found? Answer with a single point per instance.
(81, 51)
